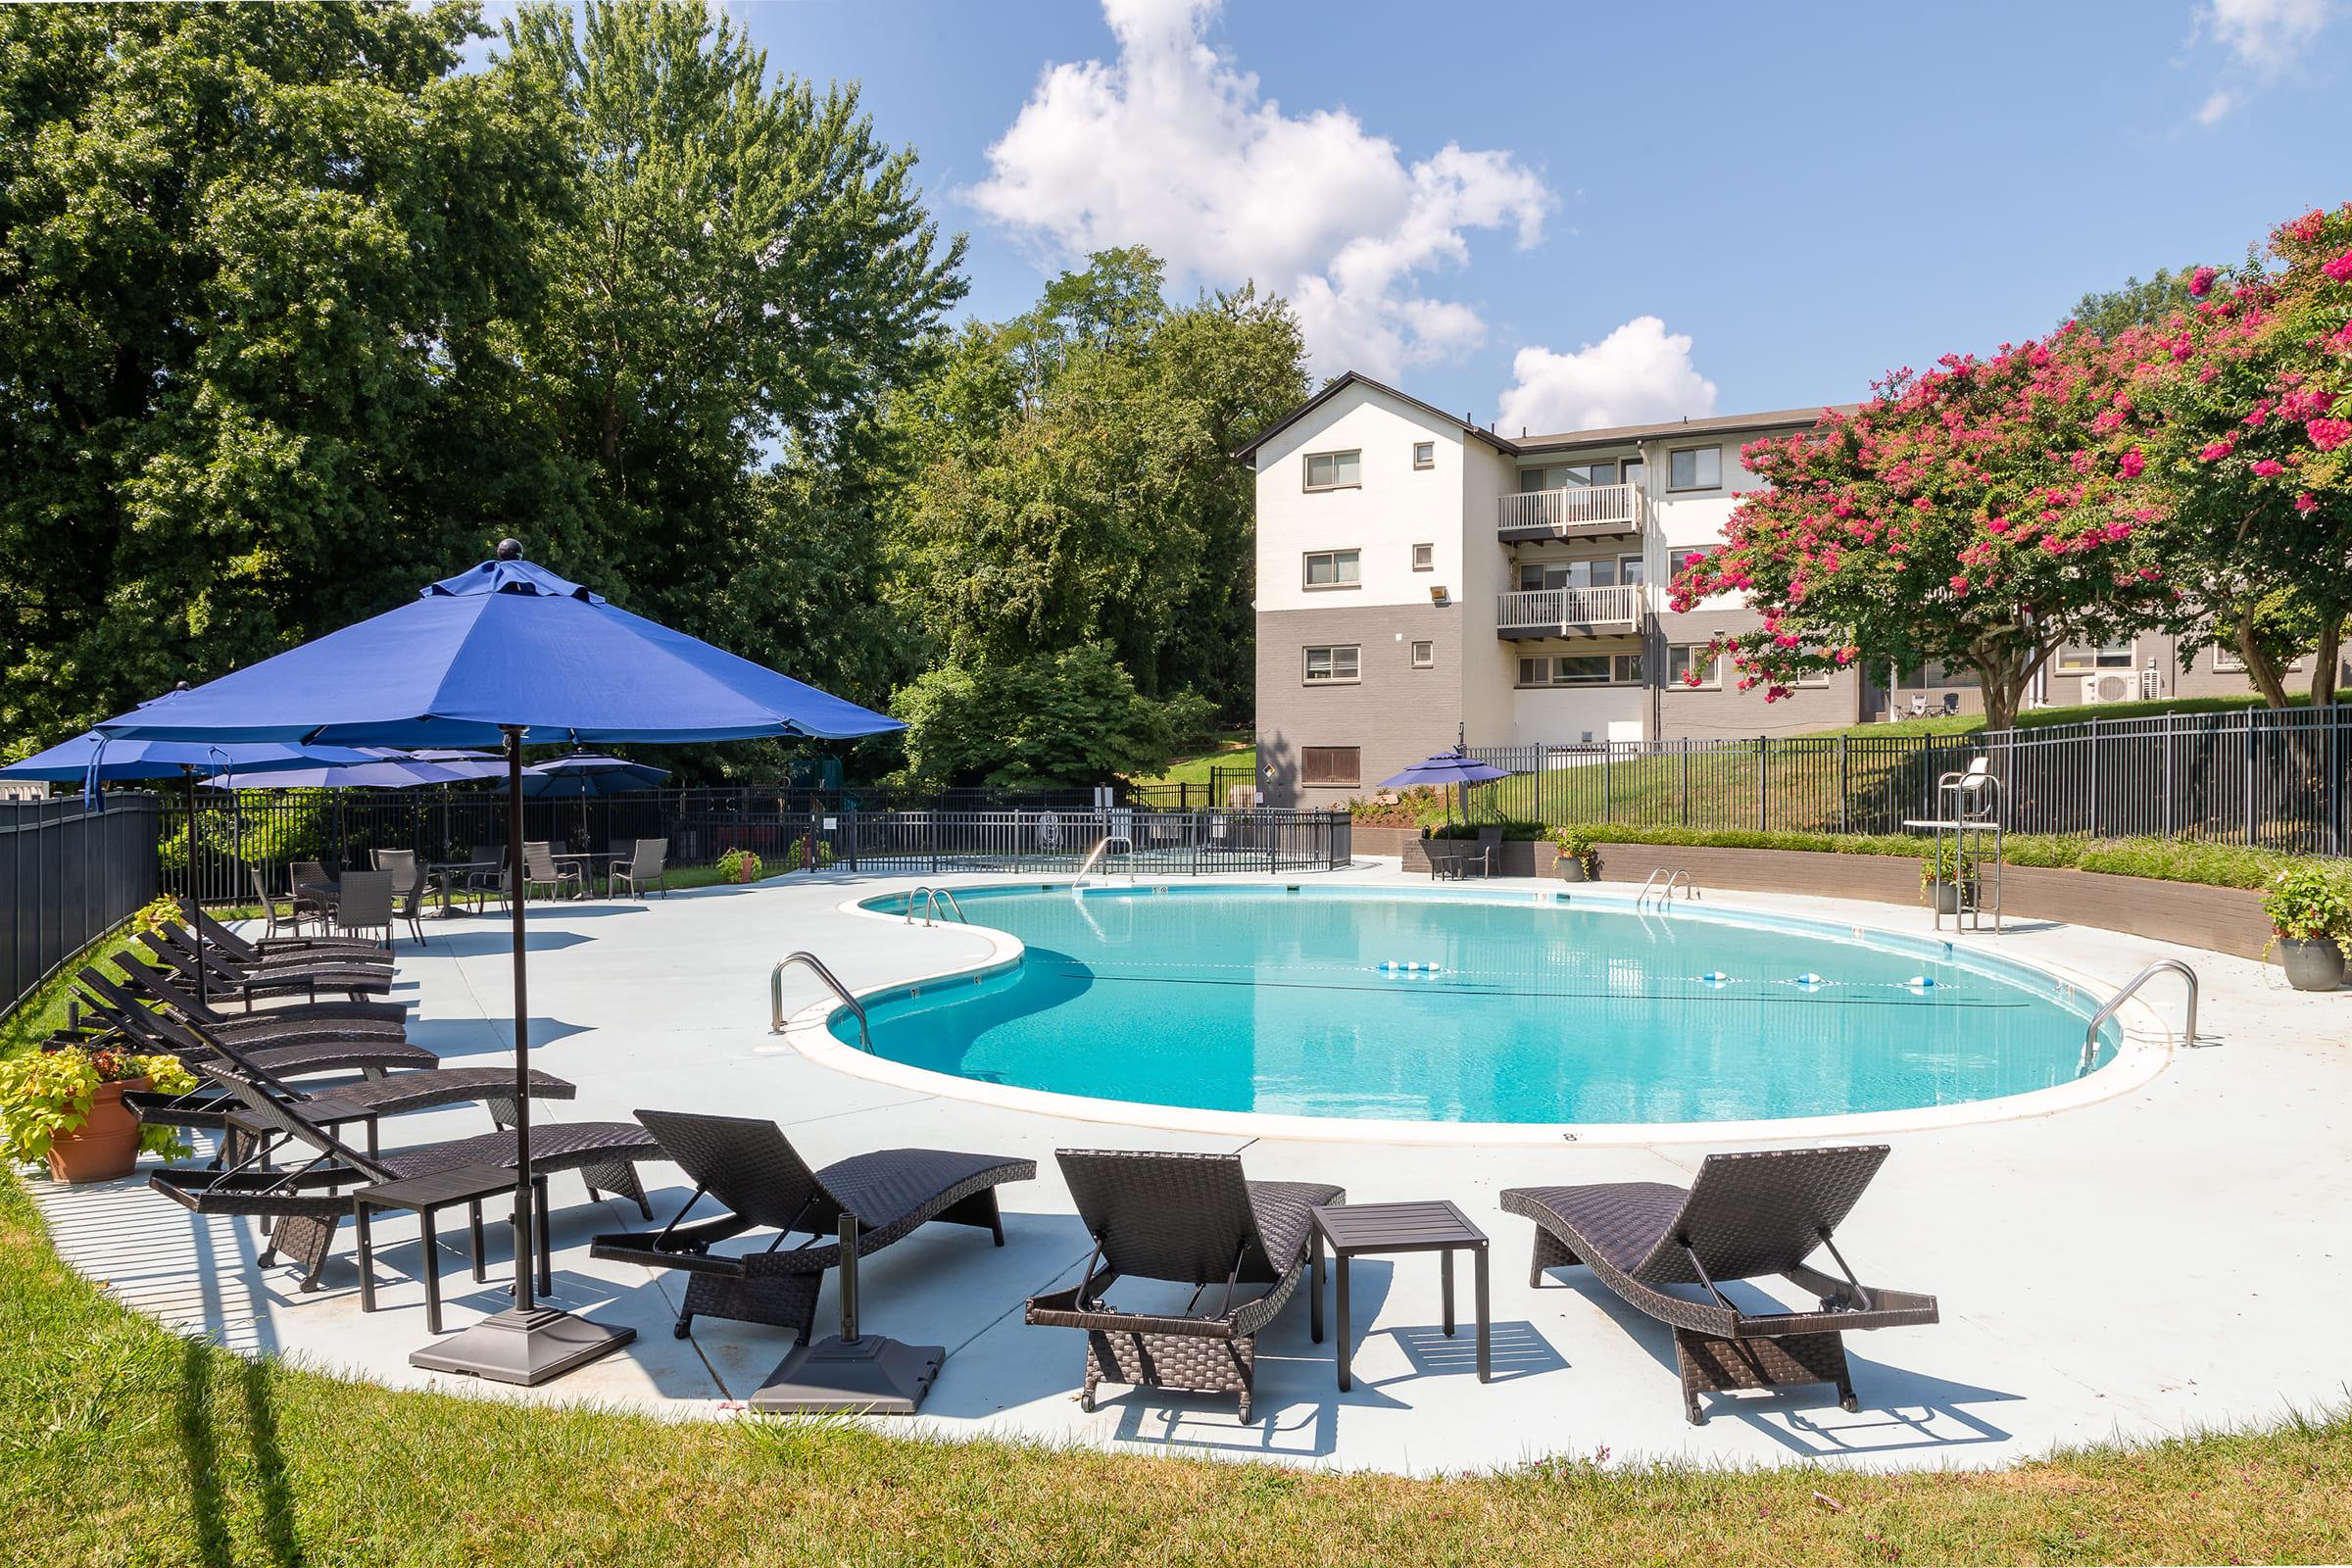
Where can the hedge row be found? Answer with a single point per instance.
(2163, 860)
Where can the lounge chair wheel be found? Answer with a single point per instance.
(683, 1326)
(1850, 1405)
(1086, 1401)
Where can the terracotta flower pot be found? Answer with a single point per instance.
(106, 1142)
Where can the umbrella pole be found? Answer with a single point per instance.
(529, 1343)
(195, 925)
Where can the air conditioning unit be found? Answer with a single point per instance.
(2116, 686)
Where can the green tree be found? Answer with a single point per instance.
(745, 275)
(1075, 480)
(1064, 719)
(2109, 314)
(257, 272)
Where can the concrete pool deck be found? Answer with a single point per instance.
(2139, 1266)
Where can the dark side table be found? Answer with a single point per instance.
(1352, 1230)
(426, 1195)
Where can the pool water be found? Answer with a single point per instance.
(1298, 1001)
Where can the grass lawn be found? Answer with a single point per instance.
(1234, 748)
(126, 1444)
(2078, 714)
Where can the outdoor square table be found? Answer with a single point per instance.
(425, 1197)
(586, 860)
(448, 874)
(1354, 1229)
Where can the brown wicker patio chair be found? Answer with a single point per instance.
(371, 1051)
(286, 1024)
(1187, 1219)
(1746, 1215)
(752, 1167)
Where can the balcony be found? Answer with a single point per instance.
(1570, 611)
(1581, 511)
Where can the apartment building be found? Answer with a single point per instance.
(1423, 581)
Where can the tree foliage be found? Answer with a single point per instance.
(1971, 514)
(1054, 721)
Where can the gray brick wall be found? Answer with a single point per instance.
(1395, 714)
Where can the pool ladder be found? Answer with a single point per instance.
(1094, 857)
(1674, 875)
(2091, 1035)
(932, 898)
(817, 966)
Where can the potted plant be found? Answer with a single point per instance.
(2311, 916)
(1950, 876)
(65, 1107)
(1579, 854)
(738, 866)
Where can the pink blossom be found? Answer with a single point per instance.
(1959, 585)
(1996, 525)
(2132, 463)
(2328, 434)
(2215, 451)
(2307, 501)
(2339, 268)
(2269, 466)
(2200, 282)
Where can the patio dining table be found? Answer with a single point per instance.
(445, 875)
(586, 860)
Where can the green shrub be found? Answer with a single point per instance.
(738, 866)
(2310, 903)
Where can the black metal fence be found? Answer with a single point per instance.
(67, 874)
(1129, 841)
(2273, 780)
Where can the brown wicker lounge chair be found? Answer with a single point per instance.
(369, 1052)
(307, 1203)
(1189, 1219)
(1746, 1215)
(290, 978)
(752, 1167)
(225, 950)
(284, 1024)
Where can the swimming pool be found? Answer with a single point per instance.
(1305, 1001)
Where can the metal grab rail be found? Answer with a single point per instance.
(2091, 1035)
(931, 897)
(1095, 856)
(817, 966)
(1673, 875)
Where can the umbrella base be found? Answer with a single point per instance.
(870, 1374)
(524, 1347)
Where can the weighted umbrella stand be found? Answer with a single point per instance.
(867, 1374)
(528, 1342)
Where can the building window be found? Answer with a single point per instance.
(2084, 659)
(1335, 568)
(1694, 469)
(1934, 675)
(1335, 470)
(1425, 453)
(1569, 475)
(1331, 765)
(1605, 572)
(1633, 471)
(1581, 670)
(1680, 556)
(1425, 655)
(1337, 665)
(1681, 658)
(2227, 661)
(1424, 557)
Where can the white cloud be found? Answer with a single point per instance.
(1639, 374)
(2266, 39)
(1172, 145)
(2267, 35)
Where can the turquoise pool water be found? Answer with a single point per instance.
(1269, 999)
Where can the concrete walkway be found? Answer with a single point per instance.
(2145, 1265)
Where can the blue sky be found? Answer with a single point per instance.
(1806, 195)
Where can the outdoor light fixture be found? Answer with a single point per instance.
(1437, 595)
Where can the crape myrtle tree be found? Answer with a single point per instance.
(1968, 516)
(2235, 416)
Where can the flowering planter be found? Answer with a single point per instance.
(106, 1146)
(2312, 966)
(1572, 869)
(1947, 898)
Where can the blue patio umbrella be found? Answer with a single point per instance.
(366, 773)
(1446, 769)
(463, 763)
(582, 774)
(508, 653)
(91, 759)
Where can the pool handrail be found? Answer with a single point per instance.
(2108, 1010)
(1673, 875)
(1094, 854)
(817, 966)
(931, 897)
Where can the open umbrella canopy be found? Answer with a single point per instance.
(1447, 767)
(93, 757)
(366, 773)
(586, 773)
(459, 765)
(508, 645)
(511, 653)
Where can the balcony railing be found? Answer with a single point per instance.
(1570, 609)
(1599, 508)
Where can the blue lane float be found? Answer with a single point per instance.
(1408, 966)
(1715, 978)
(1920, 982)
(1808, 981)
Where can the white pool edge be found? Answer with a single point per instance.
(2145, 1047)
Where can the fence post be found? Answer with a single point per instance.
(1685, 791)
(1762, 817)
(1842, 784)
(2251, 728)
(2165, 776)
